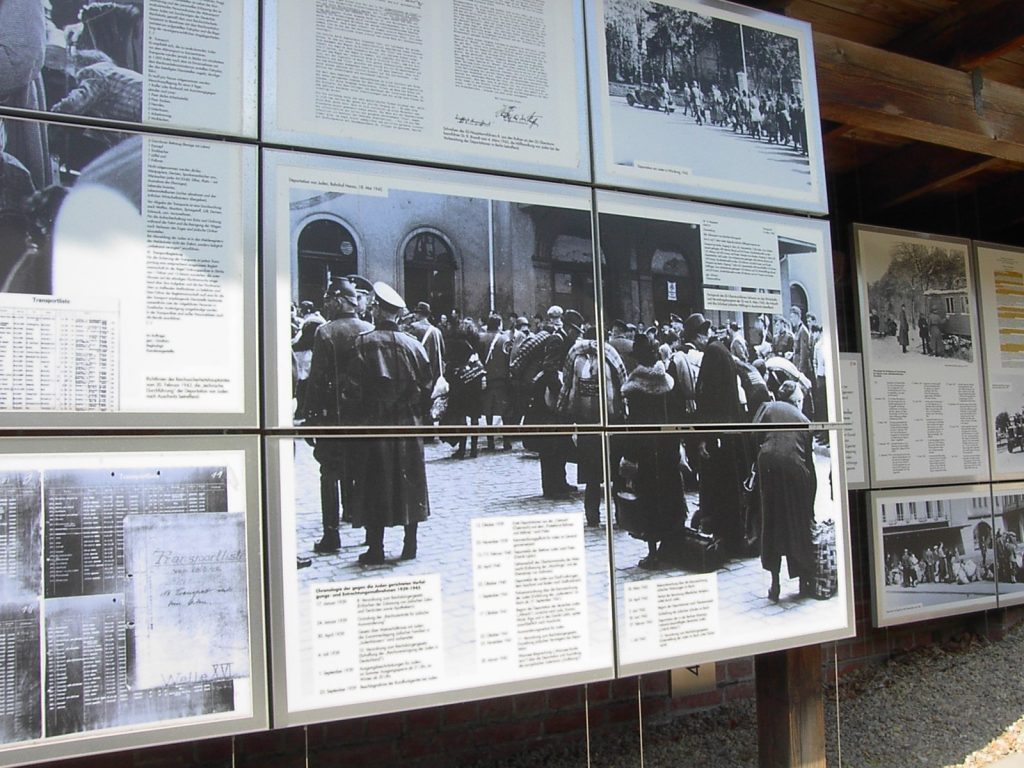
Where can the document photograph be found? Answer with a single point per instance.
(152, 62)
(703, 522)
(705, 99)
(735, 306)
(484, 289)
(919, 330)
(934, 552)
(122, 553)
(392, 592)
(128, 279)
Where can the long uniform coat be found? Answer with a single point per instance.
(788, 482)
(387, 383)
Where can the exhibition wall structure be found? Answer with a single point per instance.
(463, 346)
(120, 554)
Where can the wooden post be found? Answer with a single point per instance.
(790, 709)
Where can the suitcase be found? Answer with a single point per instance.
(692, 551)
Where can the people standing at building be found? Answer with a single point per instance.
(387, 383)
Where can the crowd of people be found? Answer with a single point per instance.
(765, 115)
(365, 359)
(939, 564)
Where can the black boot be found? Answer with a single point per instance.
(329, 543)
(409, 546)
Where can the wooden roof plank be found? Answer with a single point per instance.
(918, 170)
(895, 94)
(968, 35)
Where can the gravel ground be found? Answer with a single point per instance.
(957, 706)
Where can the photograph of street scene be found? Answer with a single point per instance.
(474, 536)
(719, 98)
(714, 515)
(419, 308)
(938, 551)
(731, 343)
(918, 304)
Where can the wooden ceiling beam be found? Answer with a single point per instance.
(968, 35)
(902, 96)
(918, 170)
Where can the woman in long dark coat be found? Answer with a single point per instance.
(785, 472)
(650, 463)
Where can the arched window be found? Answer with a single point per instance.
(326, 249)
(798, 298)
(430, 265)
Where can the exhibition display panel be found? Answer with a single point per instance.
(1001, 306)
(697, 550)
(855, 432)
(481, 584)
(160, 63)
(733, 118)
(918, 326)
(690, 274)
(456, 250)
(1003, 543)
(932, 552)
(480, 84)
(132, 599)
(130, 283)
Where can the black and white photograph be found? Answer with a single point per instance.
(121, 255)
(726, 542)
(443, 302)
(104, 60)
(723, 97)
(146, 553)
(919, 329)
(376, 541)
(733, 332)
(936, 552)
(1005, 542)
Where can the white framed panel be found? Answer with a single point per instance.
(855, 431)
(922, 367)
(505, 595)
(664, 261)
(121, 553)
(674, 609)
(130, 293)
(493, 87)
(930, 553)
(647, 133)
(467, 245)
(1001, 310)
(144, 64)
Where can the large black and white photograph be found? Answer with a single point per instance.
(121, 257)
(377, 551)
(734, 307)
(425, 299)
(726, 542)
(493, 87)
(146, 553)
(722, 96)
(132, 61)
(936, 552)
(919, 328)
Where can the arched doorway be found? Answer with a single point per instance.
(326, 249)
(671, 285)
(572, 274)
(430, 266)
(798, 298)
